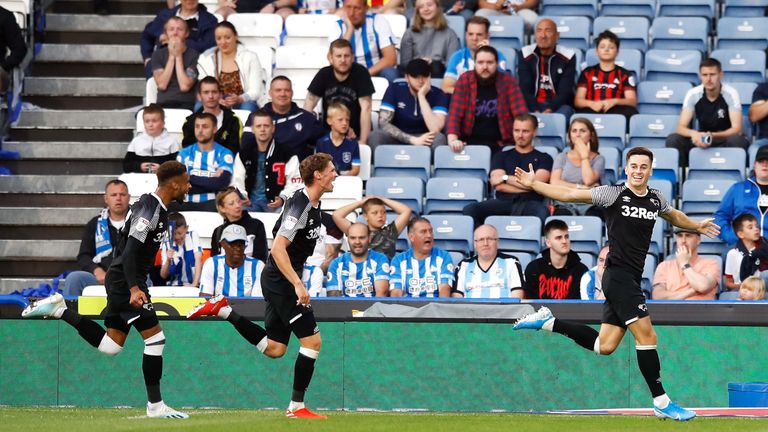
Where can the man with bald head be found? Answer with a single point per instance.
(547, 72)
(490, 273)
(361, 272)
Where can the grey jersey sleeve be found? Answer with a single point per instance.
(605, 196)
(143, 219)
(294, 218)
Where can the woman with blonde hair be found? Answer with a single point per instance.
(429, 37)
(752, 288)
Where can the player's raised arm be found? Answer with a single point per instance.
(560, 193)
(681, 220)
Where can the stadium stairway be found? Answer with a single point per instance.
(81, 94)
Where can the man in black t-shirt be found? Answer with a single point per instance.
(128, 300)
(288, 311)
(631, 210)
(346, 82)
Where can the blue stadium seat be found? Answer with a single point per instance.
(728, 296)
(744, 8)
(474, 161)
(651, 130)
(628, 58)
(741, 64)
(649, 268)
(586, 232)
(450, 195)
(552, 151)
(458, 25)
(656, 248)
(587, 259)
(661, 97)
(701, 198)
(742, 33)
(680, 33)
(672, 65)
(631, 8)
(574, 31)
(407, 190)
(586, 8)
(517, 233)
(713, 248)
(552, 130)
(523, 258)
(633, 31)
(511, 55)
(452, 232)
(665, 187)
(613, 164)
(402, 161)
(697, 8)
(507, 31)
(611, 128)
(716, 163)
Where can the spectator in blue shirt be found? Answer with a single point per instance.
(210, 165)
(344, 151)
(412, 112)
(423, 270)
(361, 272)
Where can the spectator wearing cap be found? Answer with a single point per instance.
(747, 196)
(412, 112)
(687, 276)
(232, 274)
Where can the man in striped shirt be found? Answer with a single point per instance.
(232, 274)
(488, 274)
(423, 270)
(361, 272)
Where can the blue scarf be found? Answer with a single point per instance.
(103, 242)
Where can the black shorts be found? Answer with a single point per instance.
(624, 300)
(120, 315)
(283, 315)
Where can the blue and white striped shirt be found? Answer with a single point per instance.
(312, 278)
(421, 278)
(182, 268)
(205, 164)
(498, 281)
(357, 279)
(219, 278)
(368, 40)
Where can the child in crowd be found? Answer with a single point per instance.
(319, 7)
(182, 259)
(153, 146)
(344, 151)
(752, 288)
(750, 245)
(383, 235)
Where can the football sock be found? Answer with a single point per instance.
(303, 370)
(152, 365)
(88, 329)
(253, 333)
(582, 334)
(650, 367)
(661, 401)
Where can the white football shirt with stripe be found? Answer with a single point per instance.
(219, 278)
(357, 279)
(498, 281)
(421, 278)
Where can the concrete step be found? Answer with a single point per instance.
(35, 267)
(67, 150)
(71, 86)
(86, 69)
(75, 53)
(54, 184)
(60, 216)
(53, 250)
(9, 285)
(33, 133)
(131, 7)
(59, 22)
(82, 167)
(27, 199)
(60, 119)
(85, 102)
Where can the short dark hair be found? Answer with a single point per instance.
(738, 223)
(115, 182)
(415, 220)
(261, 112)
(610, 36)
(153, 108)
(476, 19)
(280, 78)
(208, 116)
(529, 118)
(315, 162)
(208, 80)
(169, 170)
(711, 62)
(177, 219)
(228, 25)
(555, 224)
(488, 49)
(642, 151)
(340, 44)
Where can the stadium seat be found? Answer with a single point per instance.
(507, 31)
(649, 268)
(299, 62)
(269, 220)
(458, 25)
(308, 29)
(398, 23)
(365, 162)
(150, 94)
(243, 115)
(728, 296)
(585, 8)
(680, 33)
(630, 8)
(656, 247)
(472, 161)
(523, 258)
(611, 128)
(716, 163)
(633, 31)
(713, 248)
(574, 31)
(744, 8)
(266, 55)
(628, 58)
(651, 130)
(402, 160)
(587, 259)
(407, 190)
(257, 28)
(517, 233)
(672, 65)
(380, 86)
(452, 232)
(665, 187)
(21, 11)
(450, 195)
(661, 97)
(551, 151)
(456, 257)
(741, 65)
(586, 232)
(551, 131)
(139, 184)
(346, 190)
(613, 164)
(701, 198)
(511, 55)
(203, 223)
(696, 8)
(742, 33)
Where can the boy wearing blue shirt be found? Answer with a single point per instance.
(344, 151)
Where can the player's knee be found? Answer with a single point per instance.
(314, 343)
(109, 346)
(275, 350)
(607, 348)
(154, 344)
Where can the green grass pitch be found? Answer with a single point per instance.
(113, 420)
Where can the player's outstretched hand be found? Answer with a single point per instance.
(526, 178)
(708, 228)
(302, 294)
